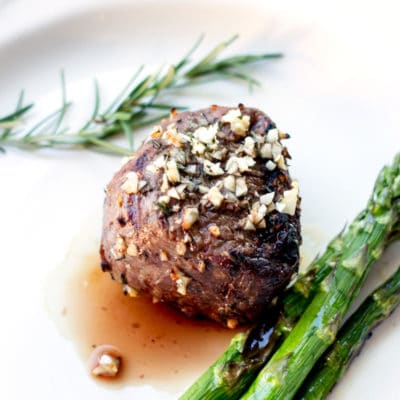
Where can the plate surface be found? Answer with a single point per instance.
(336, 91)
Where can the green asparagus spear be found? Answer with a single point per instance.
(235, 369)
(316, 330)
(330, 368)
(299, 295)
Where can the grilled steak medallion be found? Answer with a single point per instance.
(205, 216)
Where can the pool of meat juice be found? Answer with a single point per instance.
(159, 346)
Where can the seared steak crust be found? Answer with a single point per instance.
(224, 253)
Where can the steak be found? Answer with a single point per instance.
(205, 216)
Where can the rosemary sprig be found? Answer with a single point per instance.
(12, 120)
(137, 105)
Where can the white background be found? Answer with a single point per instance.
(336, 91)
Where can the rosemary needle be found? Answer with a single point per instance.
(135, 106)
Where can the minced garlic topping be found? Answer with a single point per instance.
(190, 216)
(172, 136)
(272, 136)
(212, 169)
(132, 250)
(239, 164)
(163, 255)
(132, 184)
(270, 165)
(198, 161)
(288, 203)
(206, 135)
(230, 183)
(181, 248)
(267, 198)
(182, 281)
(214, 230)
(239, 123)
(241, 187)
(215, 196)
(119, 248)
(172, 171)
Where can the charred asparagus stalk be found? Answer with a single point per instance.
(316, 330)
(331, 367)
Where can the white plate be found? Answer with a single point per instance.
(336, 91)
